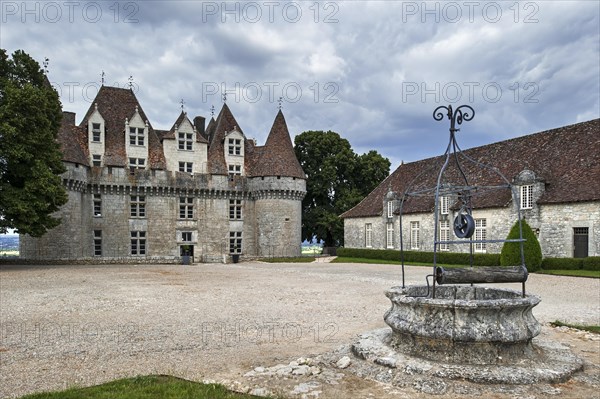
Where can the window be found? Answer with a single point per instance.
(97, 242)
(137, 206)
(186, 236)
(185, 141)
(235, 147)
(414, 235)
(480, 234)
(368, 235)
(96, 132)
(444, 234)
(527, 197)
(186, 207)
(390, 209)
(186, 167)
(235, 209)
(390, 235)
(234, 170)
(97, 205)
(96, 160)
(138, 243)
(235, 242)
(136, 163)
(444, 205)
(136, 136)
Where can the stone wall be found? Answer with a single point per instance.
(553, 224)
(270, 224)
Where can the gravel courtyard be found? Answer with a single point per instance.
(82, 325)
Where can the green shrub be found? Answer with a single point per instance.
(511, 251)
(591, 263)
(562, 264)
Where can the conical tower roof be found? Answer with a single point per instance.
(277, 157)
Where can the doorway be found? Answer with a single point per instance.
(580, 242)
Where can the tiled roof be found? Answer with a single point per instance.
(73, 141)
(278, 158)
(275, 158)
(115, 105)
(170, 135)
(216, 151)
(567, 159)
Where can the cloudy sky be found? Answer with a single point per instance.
(372, 71)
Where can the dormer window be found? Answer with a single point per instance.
(96, 132)
(96, 160)
(136, 163)
(185, 141)
(186, 167)
(527, 197)
(234, 170)
(444, 205)
(235, 147)
(136, 135)
(390, 209)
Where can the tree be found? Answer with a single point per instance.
(511, 251)
(338, 179)
(30, 157)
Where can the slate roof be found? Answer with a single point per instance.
(566, 159)
(275, 158)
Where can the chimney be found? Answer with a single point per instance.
(199, 125)
(68, 118)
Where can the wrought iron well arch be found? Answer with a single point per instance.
(463, 190)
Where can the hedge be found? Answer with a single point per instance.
(591, 263)
(449, 258)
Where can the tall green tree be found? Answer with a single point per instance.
(338, 179)
(30, 157)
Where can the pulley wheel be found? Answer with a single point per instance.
(464, 225)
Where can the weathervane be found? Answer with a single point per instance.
(182, 105)
(280, 101)
(212, 111)
(46, 62)
(102, 75)
(224, 97)
(130, 82)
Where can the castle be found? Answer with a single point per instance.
(138, 194)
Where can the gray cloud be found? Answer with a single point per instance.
(373, 71)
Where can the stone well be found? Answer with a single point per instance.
(462, 324)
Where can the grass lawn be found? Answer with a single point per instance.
(298, 259)
(575, 273)
(592, 329)
(145, 387)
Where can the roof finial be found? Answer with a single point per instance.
(212, 111)
(182, 105)
(280, 101)
(46, 62)
(225, 98)
(130, 82)
(102, 75)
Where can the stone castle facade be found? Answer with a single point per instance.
(555, 173)
(138, 194)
